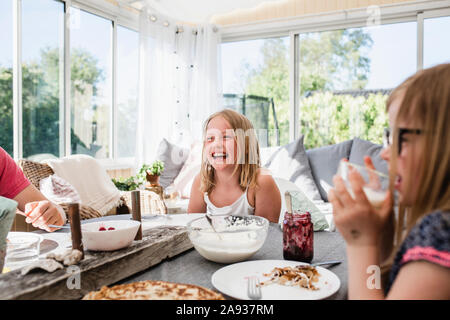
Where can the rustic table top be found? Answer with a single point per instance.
(191, 267)
(166, 254)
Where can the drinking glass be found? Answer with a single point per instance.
(376, 184)
(21, 249)
(171, 197)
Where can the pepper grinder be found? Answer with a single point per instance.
(75, 227)
(136, 211)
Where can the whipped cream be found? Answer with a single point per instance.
(227, 247)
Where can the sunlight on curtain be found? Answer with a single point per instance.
(156, 93)
(206, 88)
(179, 84)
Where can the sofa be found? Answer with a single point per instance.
(291, 161)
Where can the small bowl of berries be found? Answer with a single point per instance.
(109, 235)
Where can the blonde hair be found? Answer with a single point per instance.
(248, 158)
(426, 102)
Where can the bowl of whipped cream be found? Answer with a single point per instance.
(228, 238)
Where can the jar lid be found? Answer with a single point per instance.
(298, 215)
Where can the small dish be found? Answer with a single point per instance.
(109, 235)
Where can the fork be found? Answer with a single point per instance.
(254, 288)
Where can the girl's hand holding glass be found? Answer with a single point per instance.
(361, 203)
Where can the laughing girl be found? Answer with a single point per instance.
(231, 180)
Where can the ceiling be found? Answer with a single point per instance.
(195, 11)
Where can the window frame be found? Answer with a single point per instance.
(118, 15)
(438, 13)
(343, 19)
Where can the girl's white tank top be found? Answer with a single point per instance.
(240, 207)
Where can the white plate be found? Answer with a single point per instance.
(232, 281)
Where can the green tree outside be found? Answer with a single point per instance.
(329, 61)
(40, 99)
(328, 119)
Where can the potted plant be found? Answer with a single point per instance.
(152, 172)
(125, 184)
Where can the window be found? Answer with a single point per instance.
(436, 48)
(41, 42)
(256, 83)
(6, 76)
(345, 77)
(91, 84)
(127, 90)
(42, 77)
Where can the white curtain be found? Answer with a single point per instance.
(179, 83)
(206, 89)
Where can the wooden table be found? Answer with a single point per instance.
(165, 254)
(97, 269)
(191, 267)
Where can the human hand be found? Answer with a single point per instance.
(358, 221)
(43, 213)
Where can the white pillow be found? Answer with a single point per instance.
(266, 153)
(290, 162)
(183, 182)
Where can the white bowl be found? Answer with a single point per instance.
(109, 240)
(237, 238)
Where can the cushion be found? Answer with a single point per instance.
(266, 153)
(35, 172)
(183, 182)
(300, 203)
(58, 190)
(363, 148)
(90, 179)
(174, 158)
(290, 162)
(324, 162)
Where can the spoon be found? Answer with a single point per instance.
(61, 227)
(55, 226)
(212, 226)
(288, 198)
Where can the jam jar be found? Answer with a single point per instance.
(298, 237)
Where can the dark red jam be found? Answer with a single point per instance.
(298, 237)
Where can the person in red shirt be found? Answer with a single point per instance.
(40, 212)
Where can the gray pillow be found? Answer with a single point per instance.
(174, 158)
(291, 163)
(363, 148)
(324, 162)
